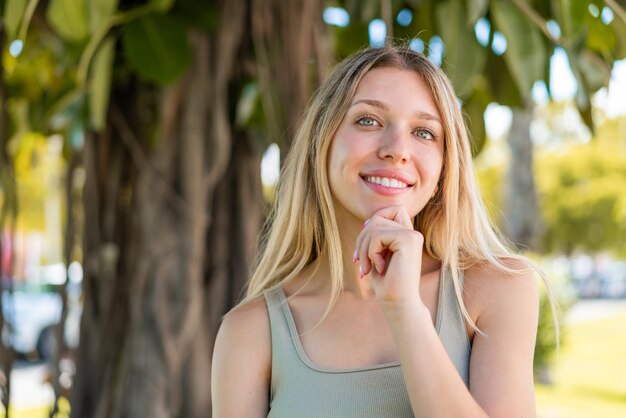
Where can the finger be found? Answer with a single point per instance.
(363, 241)
(362, 244)
(359, 239)
(371, 223)
(397, 214)
(368, 260)
(379, 251)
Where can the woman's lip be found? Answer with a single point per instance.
(388, 174)
(384, 190)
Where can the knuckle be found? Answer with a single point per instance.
(417, 237)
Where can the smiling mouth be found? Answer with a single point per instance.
(386, 182)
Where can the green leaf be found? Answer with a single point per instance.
(474, 109)
(543, 8)
(99, 84)
(363, 10)
(525, 55)
(596, 71)
(424, 20)
(503, 89)
(162, 6)
(464, 58)
(99, 11)
(619, 27)
(586, 116)
(550, 47)
(156, 47)
(571, 17)
(13, 12)
(476, 10)
(68, 18)
(350, 38)
(600, 37)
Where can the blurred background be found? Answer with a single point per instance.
(140, 145)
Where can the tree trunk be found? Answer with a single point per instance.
(522, 216)
(69, 243)
(171, 225)
(8, 215)
(291, 58)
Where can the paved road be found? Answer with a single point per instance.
(590, 309)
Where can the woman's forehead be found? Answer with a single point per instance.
(387, 86)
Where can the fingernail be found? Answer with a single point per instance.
(361, 272)
(355, 256)
(365, 224)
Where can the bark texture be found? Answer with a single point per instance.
(173, 204)
(523, 220)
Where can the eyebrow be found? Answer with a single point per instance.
(380, 105)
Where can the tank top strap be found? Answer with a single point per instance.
(451, 325)
(284, 354)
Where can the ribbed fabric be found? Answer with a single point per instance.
(301, 389)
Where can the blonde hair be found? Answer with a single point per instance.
(302, 227)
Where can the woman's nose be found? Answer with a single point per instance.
(394, 146)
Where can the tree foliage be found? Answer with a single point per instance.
(481, 69)
(582, 194)
(581, 190)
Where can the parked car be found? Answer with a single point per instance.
(31, 314)
(606, 281)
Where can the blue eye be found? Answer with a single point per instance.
(367, 121)
(425, 134)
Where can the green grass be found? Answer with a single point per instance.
(39, 411)
(589, 373)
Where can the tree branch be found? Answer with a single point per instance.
(534, 17)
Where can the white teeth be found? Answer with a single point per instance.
(387, 182)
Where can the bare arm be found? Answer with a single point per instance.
(505, 308)
(501, 367)
(501, 375)
(242, 363)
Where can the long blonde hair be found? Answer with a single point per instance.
(302, 228)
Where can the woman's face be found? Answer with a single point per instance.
(388, 149)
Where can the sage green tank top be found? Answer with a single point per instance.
(302, 389)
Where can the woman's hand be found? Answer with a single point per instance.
(389, 250)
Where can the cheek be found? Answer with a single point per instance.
(341, 153)
(334, 165)
(333, 158)
(431, 165)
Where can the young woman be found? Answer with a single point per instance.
(382, 290)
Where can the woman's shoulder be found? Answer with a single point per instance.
(242, 361)
(244, 335)
(491, 289)
(247, 321)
